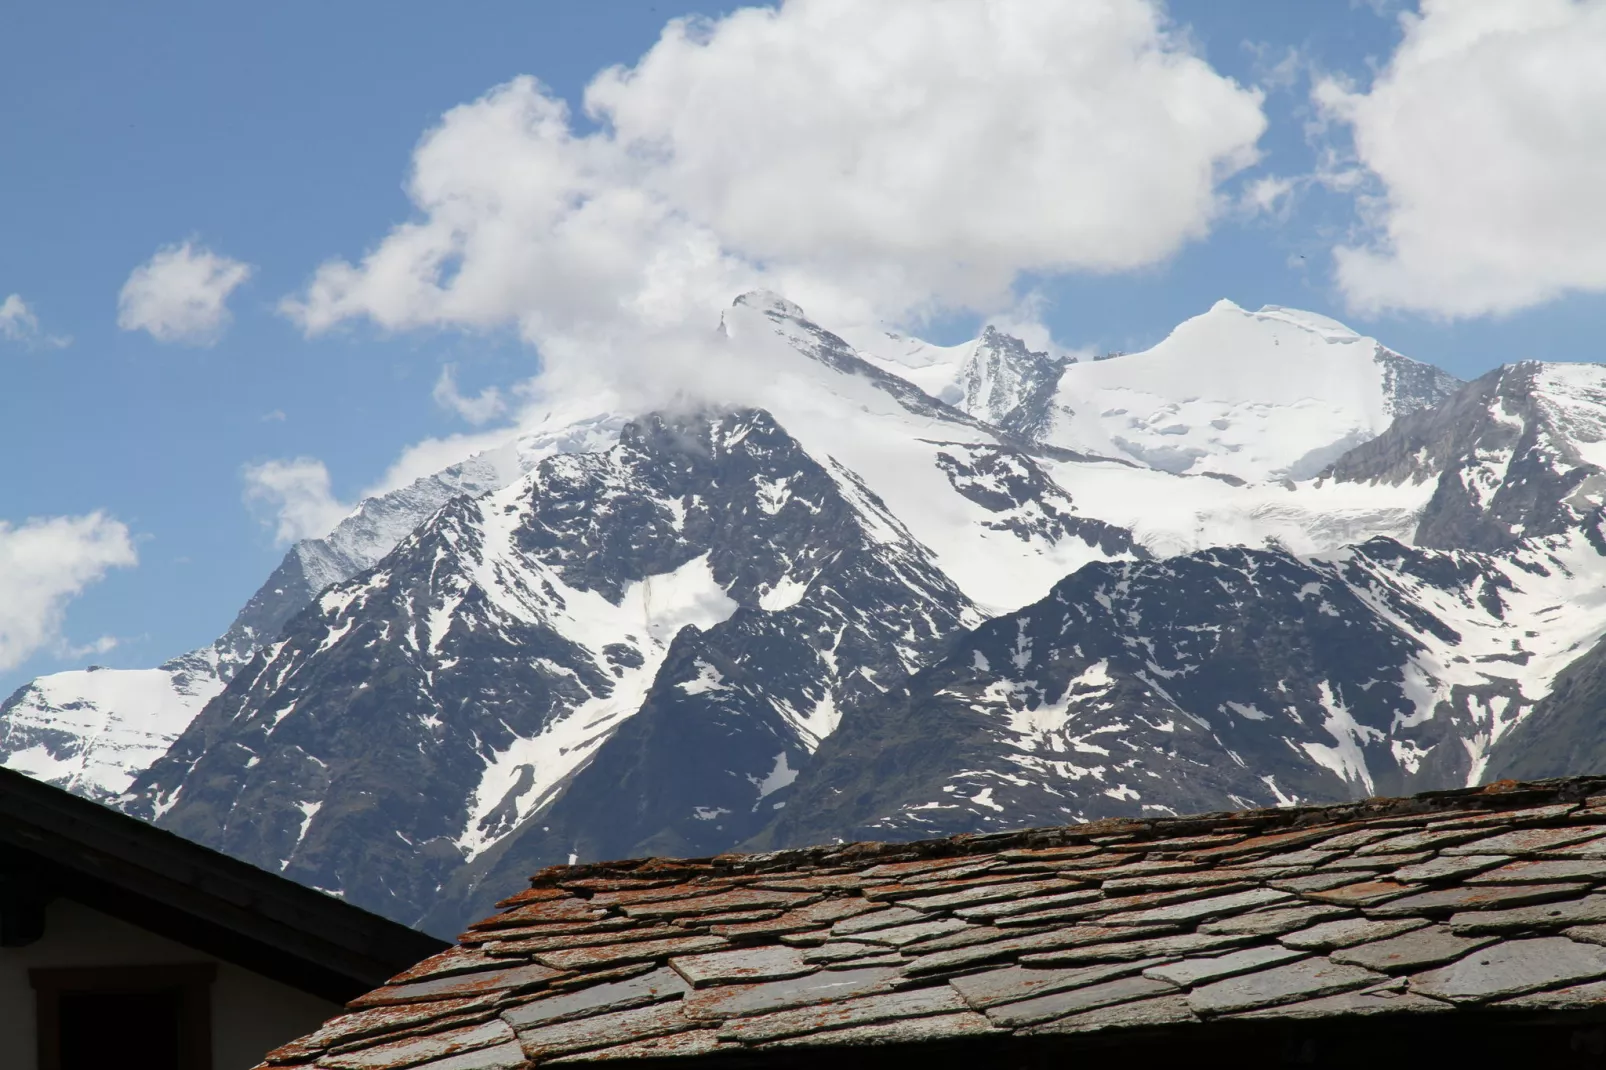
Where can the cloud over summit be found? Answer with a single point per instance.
(872, 161)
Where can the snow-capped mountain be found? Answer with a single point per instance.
(706, 573)
(1274, 394)
(92, 731)
(898, 590)
(995, 378)
(1233, 677)
(527, 650)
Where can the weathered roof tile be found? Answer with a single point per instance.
(1095, 908)
(1526, 841)
(988, 893)
(1029, 903)
(1306, 979)
(1513, 968)
(1070, 1001)
(691, 1042)
(1590, 995)
(1362, 893)
(1432, 946)
(900, 1031)
(421, 1049)
(1348, 932)
(1261, 844)
(507, 1056)
(880, 919)
(735, 1001)
(1274, 921)
(899, 935)
(1439, 902)
(1325, 881)
(740, 966)
(1162, 1010)
(603, 1030)
(1175, 944)
(1350, 1004)
(1013, 983)
(1416, 841)
(468, 984)
(1199, 909)
(1023, 947)
(913, 1003)
(1590, 910)
(744, 898)
(1539, 870)
(1448, 868)
(1194, 971)
(653, 987)
(391, 1021)
(596, 958)
(1380, 863)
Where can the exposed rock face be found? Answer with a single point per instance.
(1512, 455)
(1226, 678)
(1011, 386)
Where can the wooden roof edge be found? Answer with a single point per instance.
(238, 904)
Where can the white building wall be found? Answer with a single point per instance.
(250, 1013)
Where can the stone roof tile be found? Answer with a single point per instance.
(1379, 907)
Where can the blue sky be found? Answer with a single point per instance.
(281, 136)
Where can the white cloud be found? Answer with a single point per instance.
(19, 323)
(872, 161)
(1485, 140)
(478, 409)
(298, 494)
(104, 645)
(1270, 195)
(181, 295)
(45, 564)
(433, 454)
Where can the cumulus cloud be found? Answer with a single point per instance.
(874, 162)
(18, 323)
(1485, 143)
(297, 494)
(181, 295)
(45, 564)
(476, 409)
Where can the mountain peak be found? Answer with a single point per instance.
(768, 301)
(1274, 394)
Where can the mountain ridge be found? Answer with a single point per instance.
(861, 610)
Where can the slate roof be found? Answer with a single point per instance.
(1486, 904)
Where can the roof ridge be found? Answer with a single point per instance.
(1497, 795)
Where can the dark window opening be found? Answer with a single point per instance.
(127, 1017)
(128, 1030)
